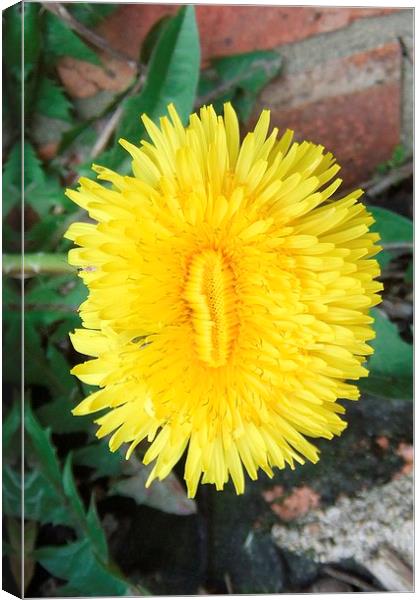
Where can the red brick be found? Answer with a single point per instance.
(226, 30)
(335, 77)
(361, 129)
(300, 501)
(350, 105)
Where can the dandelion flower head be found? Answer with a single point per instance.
(228, 298)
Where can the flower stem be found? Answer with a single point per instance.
(14, 265)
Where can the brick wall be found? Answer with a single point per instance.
(346, 80)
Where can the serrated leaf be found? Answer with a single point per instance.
(43, 447)
(11, 492)
(172, 77)
(42, 501)
(34, 173)
(167, 495)
(44, 197)
(71, 491)
(96, 532)
(51, 100)
(85, 574)
(391, 365)
(393, 228)
(60, 41)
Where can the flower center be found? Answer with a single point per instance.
(211, 298)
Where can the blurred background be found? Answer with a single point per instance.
(342, 77)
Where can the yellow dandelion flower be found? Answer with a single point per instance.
(229, 298)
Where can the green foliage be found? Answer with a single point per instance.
(79, 565)
(393, 229)
(172, 76)
(398, 158)
(43, 448)
(54, 439)
(151, 39)
(11, 185)
(53, 497)
(12, 42)
(90, 14)
(391, 365)
(239, 79)
(51, 100)
(62, 41)
(11, 425)
(98, 457)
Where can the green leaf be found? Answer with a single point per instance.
(41, 191)
(34, 173)
(96, 532)
(55, 300)
(12, 340)
(60, 293)
(99, 457)
(409, 274)
(42, 501)
(43, 447)
(62, 41)
(11, 425)
(86, 575)
(393, 228)
(57, 414)
(12, 173)
(244, 104)
(172, 77)
(37, 367)
(238, 78)
(70, 489)
(391, 365)
(51, 100)
(152, 38)
(167, 495)
(11, 492)
(12, 41)
(174, 69)
(250, 71)
(90, 14)
(45, 197)
(32, 37)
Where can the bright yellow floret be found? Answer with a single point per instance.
(229, 298)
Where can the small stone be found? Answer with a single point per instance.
(329, 585)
